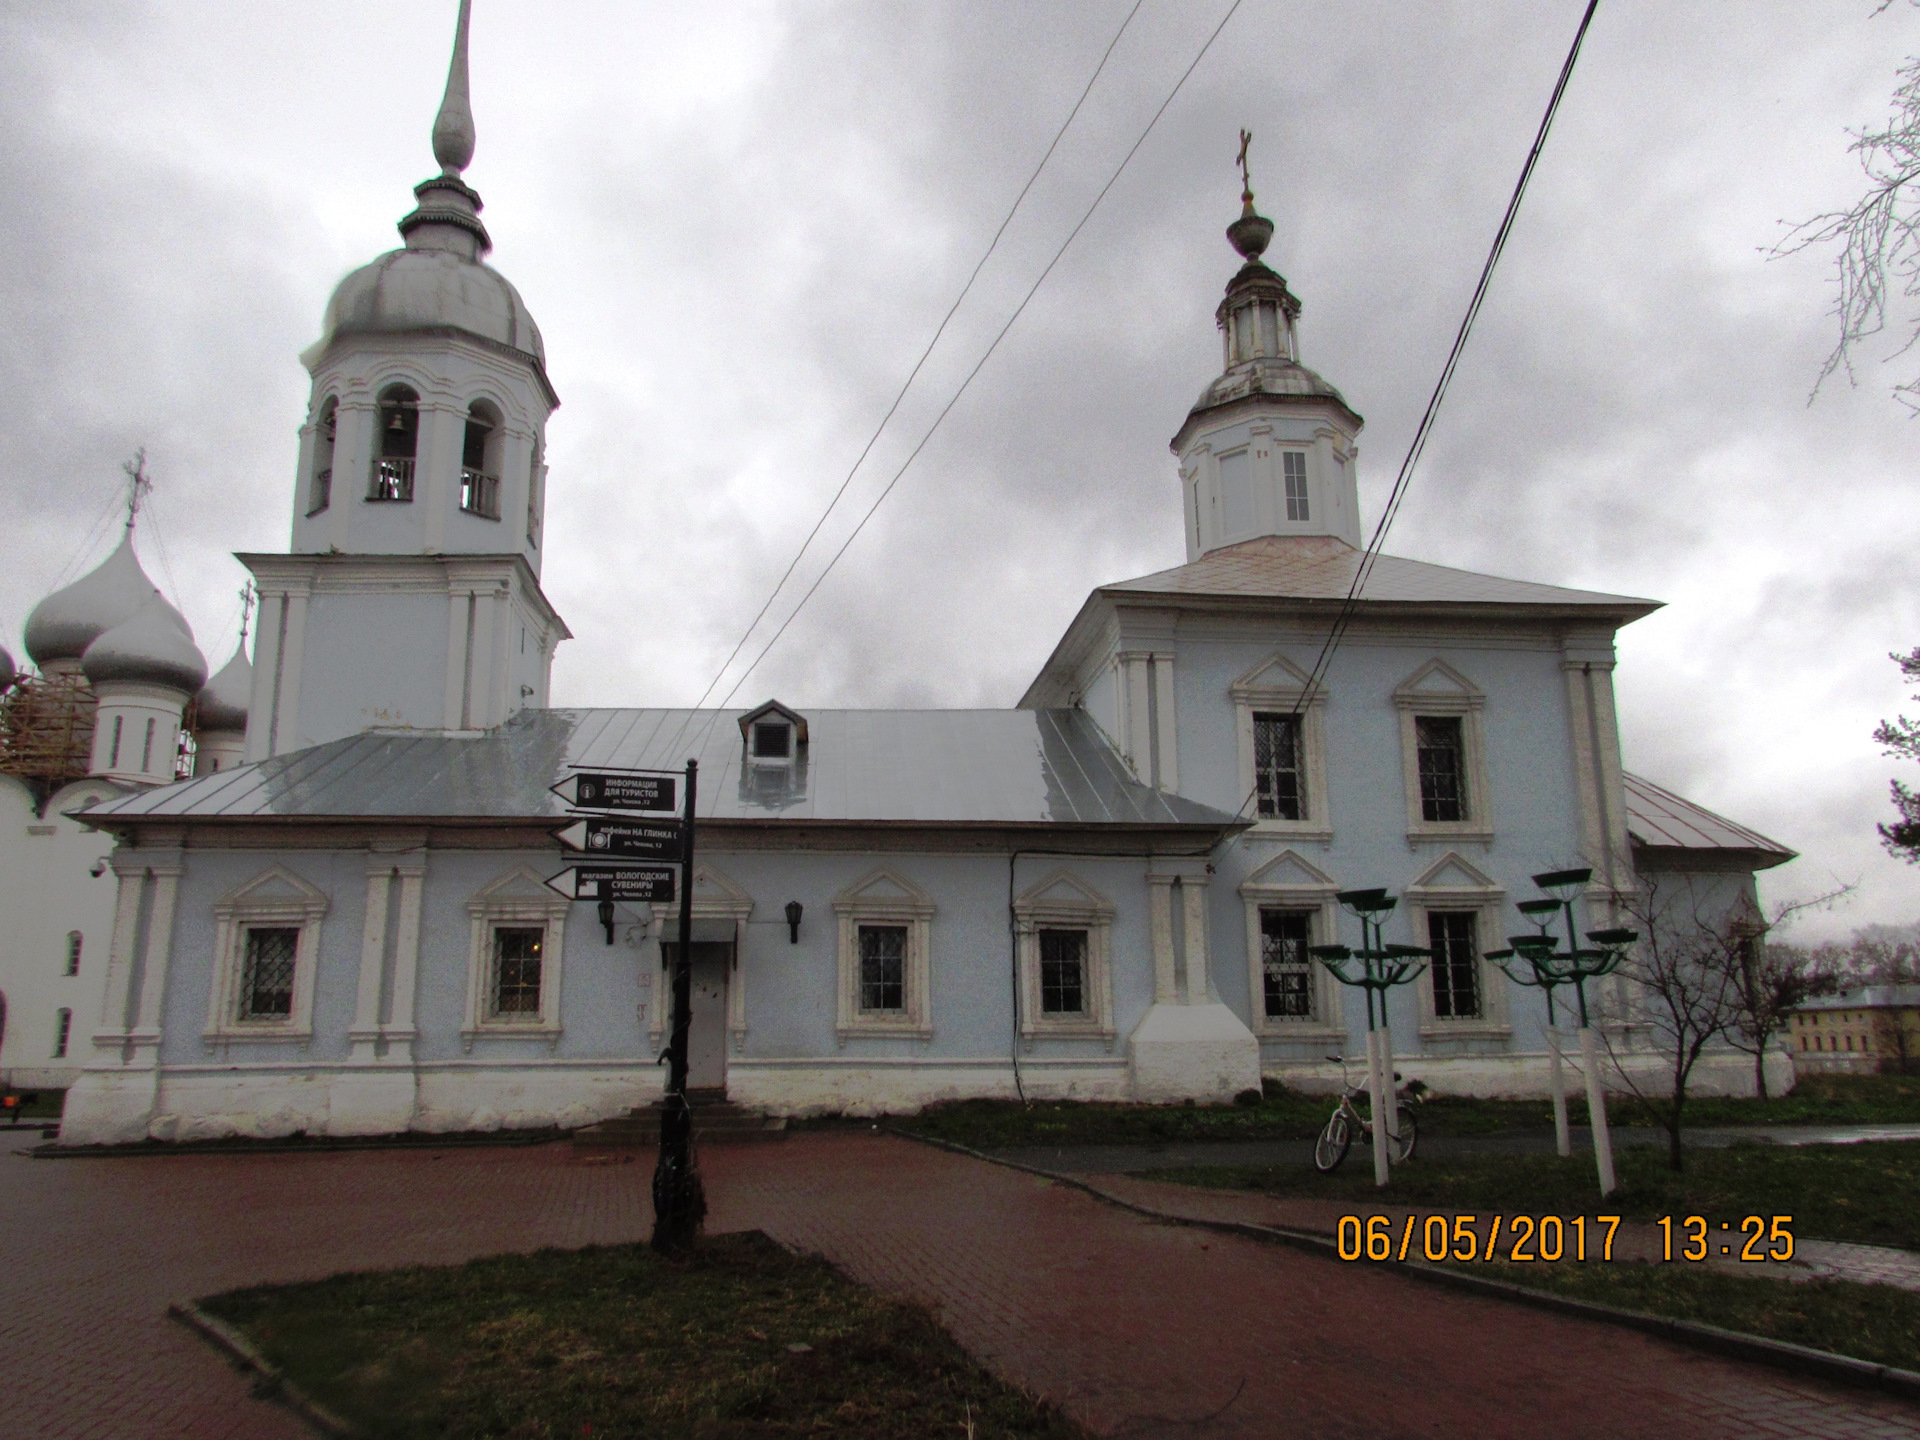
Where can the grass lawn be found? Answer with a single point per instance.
(1284, 1114)
(1834, 1192)
(1869, 1322)
(741, 1340)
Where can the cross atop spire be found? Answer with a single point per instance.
(247, 595)
(453, 127)
(137, 484)
(1246, 180)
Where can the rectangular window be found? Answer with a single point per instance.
(772, 741)
(1294, 463)
(1443, 767)
(1286, 968)
(883, 969)
(113, 759)
(63, 1028)
(146, 749)
(266, 975)
(1456, 964)
(1277, 770)
(516, 969)
(1063, 972)
(73, 952)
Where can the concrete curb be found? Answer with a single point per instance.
(409, 1140)
(270, 1381)
(1781, 1354)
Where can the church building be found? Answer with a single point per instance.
(1108, 891)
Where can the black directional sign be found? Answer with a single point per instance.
(615, 882)
(593, 790)
(651, 839)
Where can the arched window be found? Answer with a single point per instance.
(73, 952)
(536, 483)
(399, 445)
(480, 462)
(320, 495)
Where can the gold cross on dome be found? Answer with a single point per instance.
(1246, 180)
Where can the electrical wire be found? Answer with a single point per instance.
(981, 362)
(1424, 431)
(918, 365)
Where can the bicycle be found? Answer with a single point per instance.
(1337, 1138)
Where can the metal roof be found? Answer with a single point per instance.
(1322, 567)
(927, 767)
(1658, 817)
(1867, 997)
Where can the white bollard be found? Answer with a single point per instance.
(1378, 1092)
(1597, 1113)
(1562, 1136)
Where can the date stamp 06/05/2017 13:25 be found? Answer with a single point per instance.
(1524, 1239)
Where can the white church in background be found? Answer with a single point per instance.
(340, 924)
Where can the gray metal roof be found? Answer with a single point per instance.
(1322, 567)
(1867, 997)
(1658, 817)
(928, 767)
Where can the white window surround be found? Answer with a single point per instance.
(518, 898)
(1454, 883)
(278, 898)
(1275, 685)
(885, 897)
(1289, 881)
(1062, 901)
(716, 896)
(1438, 689)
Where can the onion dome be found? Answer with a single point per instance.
(222, 702)
(64, 624)
(437, 282)
(153, 647)
(7, 673)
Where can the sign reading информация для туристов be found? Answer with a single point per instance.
(1524, 1239)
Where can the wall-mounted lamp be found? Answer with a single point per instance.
(606, 918)
(793, 922)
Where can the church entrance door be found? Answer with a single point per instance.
(707, 1036)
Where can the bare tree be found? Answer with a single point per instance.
(1877, 238)
(1685, 994)
(1771, 979)
(1900, 737)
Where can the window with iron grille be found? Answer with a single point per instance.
(73, 952)
(1063, 972)
(883, 968)
(1295, 465)
(1286, 968)
(266, 973)
(772, 740)
(1441, 752)
(516, 969)
(1277, 769)
(1456, 964)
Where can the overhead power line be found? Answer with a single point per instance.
(918, 364)
(985, 356)
(1424, 430)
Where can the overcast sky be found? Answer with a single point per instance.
(737, 226)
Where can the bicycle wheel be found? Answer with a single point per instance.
(1400, 1147)
(1331, 1148)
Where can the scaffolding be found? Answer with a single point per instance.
(46, 730)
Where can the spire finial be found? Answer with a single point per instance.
(1251, 232)
(137, 484)
(246, 610)
(1246, 180)
(453, 127)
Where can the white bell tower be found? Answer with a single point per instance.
(1268, 449)
(410, 599)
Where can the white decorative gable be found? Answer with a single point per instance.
(1062, 894)
(275, 888)
(1289, 870)
(1274, 678)
(1437, 685)
(1453, 872)
(884, 890)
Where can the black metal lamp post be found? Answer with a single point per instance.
(1381, 967)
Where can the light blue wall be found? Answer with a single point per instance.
(372, 660)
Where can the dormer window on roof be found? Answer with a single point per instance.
(772, 734)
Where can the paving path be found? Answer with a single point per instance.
(1140, 1329)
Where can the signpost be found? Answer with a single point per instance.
(632, 883)
(654, 839)
(614, 790)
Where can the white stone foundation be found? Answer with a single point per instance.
(1192, 1052)
(1524, 1075)
(800, 1088)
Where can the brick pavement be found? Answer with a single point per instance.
(1141, 1329)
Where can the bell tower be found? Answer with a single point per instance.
(410, 598)
(1268, 449)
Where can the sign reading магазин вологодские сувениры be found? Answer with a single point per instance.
(651, 883)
